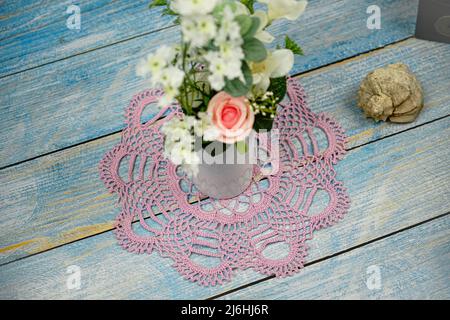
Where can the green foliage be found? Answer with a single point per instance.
(250, 33)
(268, 106)
(245, 23)
(248, 25)
(249, 4)
(262, 122)
(169, 12)
(254, 50)
(293, 46)
(279, 87)
(158, 3)
(236, 87)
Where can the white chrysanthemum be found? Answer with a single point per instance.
(232, 56)
(170, 79)
(229, 30)
(154, 63)
(221, 67)
(234, 70)
(230, 51)
(206, 26)
(289, 9)
(217, 81)
(217, 68)
(167, 52)
(198, 31)
(178, 153)
(204, 127)
(188, 29)
(193, 7)
(179, 143)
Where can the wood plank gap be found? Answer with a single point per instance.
(270, 277)
(45, 25)
(59, 150)
(394, 134)
(334, 254)
(300, 74)
(348, 59)
(84, 52)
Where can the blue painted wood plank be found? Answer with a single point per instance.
(64, 200)
(413, 264)
(81, 98)
(394, 183)
(34, 33)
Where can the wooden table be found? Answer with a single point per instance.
(62, 98)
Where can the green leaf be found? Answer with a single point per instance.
(245, 23)
(249, 4)
(293, 46)
(169, 12)
(236, 87)
(254, 50)
(248, 25)
(250, 33)
(262, 122)
(279, 87)
(157, 3)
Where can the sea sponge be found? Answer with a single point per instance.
(391, 93)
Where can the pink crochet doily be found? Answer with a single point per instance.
(207, 238)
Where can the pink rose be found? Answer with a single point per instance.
(233, 117)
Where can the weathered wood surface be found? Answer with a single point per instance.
(60, 87)
(34, 33)
(394, 183)
(82, 98)
(413, 264)
(62, 199)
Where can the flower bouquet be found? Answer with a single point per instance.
(227, 83)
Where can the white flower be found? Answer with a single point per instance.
(179, 141)
(193, 7)
(170, 79)
(289, 9)
(170, 76)
(217, 68)
(204, 127)
(277, 64)
(262, 34)
(188, 29)
(154, 63)
(217, 81)
(205, 30)
(206, 25)
(179, 153)
(229, 51)
(167, 52)
(198, 31)
(229, 30)
(221, 68)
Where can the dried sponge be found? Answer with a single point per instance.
(393, 93)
